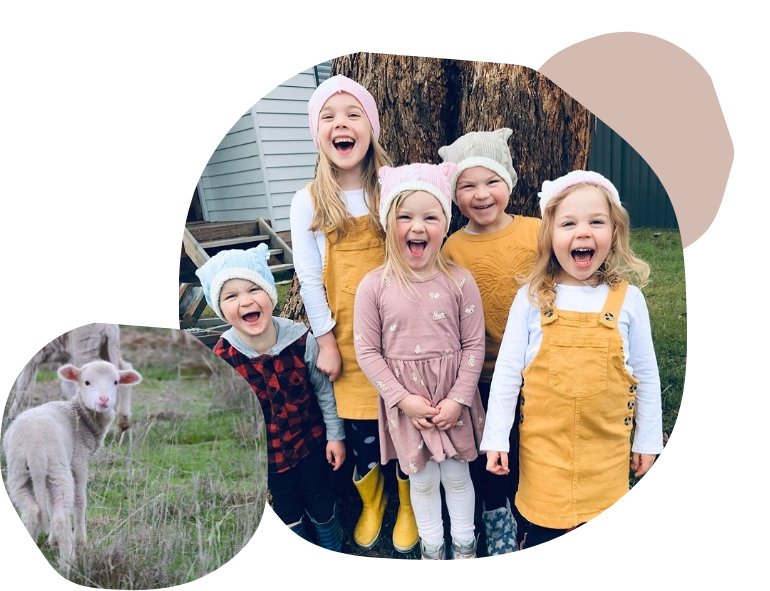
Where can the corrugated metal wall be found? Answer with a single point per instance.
(640, 190)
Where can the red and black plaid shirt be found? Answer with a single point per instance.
(293, 418)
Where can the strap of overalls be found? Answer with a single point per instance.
(610, 311)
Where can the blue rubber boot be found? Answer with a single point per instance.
(329, 534)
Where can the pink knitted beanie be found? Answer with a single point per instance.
(431, 178)
(332, 86)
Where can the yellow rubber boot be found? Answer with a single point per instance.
(405, 536)
(372, 490)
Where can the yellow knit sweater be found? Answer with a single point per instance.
(495, 260)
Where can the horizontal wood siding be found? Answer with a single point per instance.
(288, 152)
(232, 182)
(641, 191)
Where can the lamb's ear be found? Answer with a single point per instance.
(129, 376)
(69, 372)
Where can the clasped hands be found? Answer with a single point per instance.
(424, 416)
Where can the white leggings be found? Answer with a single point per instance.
(426, 500)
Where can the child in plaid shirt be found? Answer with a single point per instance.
(278, 358)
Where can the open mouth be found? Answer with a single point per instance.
(483, 207)
(343, 144)
(582, 256)
(416, 247)
(251, 317)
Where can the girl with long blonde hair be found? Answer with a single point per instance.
(577, 357)
(419, 338)
(337, 238)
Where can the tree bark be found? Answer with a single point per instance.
(293, 307)
(426, 103)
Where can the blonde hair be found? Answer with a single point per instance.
(620, 264)
(330, 212)
(395, 263)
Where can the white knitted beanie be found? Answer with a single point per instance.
(482, 148)
(576, 177)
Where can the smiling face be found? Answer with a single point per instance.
(582, 234)
(248, 309)
(344, 134)
(482, 197)
(420, 231)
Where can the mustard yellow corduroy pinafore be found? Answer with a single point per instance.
(345, 264)
(577, 406)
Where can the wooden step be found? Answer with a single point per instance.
(234, 241)
(272, 252)
(203, 231)
(282, 267)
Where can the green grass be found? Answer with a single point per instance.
(667, 305)
(666, 301)
(180, 493)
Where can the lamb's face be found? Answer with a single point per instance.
(98, 383)
(99, 387)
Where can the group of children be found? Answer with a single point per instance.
(425, 352)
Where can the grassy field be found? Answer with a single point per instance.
(181, 492)
(666, 300)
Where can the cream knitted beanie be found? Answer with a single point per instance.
(482, 148)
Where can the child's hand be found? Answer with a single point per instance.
(497, 462)
(418, 410)
(329, 361)
(449, 414)
(335, 453)
(641, 463)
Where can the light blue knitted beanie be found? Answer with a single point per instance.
(250, 265)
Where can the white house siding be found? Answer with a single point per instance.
(265, 158)
(231, 187)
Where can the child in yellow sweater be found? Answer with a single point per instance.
(497, 248)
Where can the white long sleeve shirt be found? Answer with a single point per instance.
(521, 342)
(309, 249)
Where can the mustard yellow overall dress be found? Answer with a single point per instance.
(345, 264)
(577, 407)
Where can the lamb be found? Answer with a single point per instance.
(78, 346)
(47, 450)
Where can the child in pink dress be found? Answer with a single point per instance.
(419, 338)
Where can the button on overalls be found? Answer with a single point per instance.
(345, 264)
(577, 406)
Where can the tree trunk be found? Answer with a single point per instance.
(293, 307)
(426, 103)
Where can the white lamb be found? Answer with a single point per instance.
(47, 450)
(78, 346)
